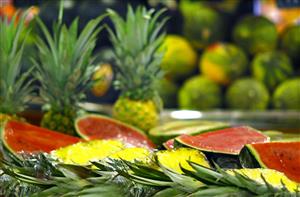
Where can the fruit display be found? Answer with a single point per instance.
(287, 95)
(136, 42)
(247, 94)
(178, 66)
(66, 145)
(255, 34)
(91, 167)
(223, 63)
(200, 28)
(271, 68)
(200, 93)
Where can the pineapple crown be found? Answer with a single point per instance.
(136, 41)
(15, 88)
(65, 62)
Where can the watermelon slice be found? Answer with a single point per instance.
(227, 141)
(169, 144)
(23, 137)
(222, 147)
(281, 156)
(190, 127)
(93, 126)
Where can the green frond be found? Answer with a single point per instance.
(136, 41)
(65, 62)
(15, 87)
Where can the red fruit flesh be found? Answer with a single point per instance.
(24, 137)
(281, 156)
(98, 127)
(227, 141)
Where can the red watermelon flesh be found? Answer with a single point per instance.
(24, 137)
(281, 156)
(99, 127)
(169, 144)
(227, 141)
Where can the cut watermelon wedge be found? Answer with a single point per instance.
(23, 137)
(227, 141)
(93, 126)
(173, 129)
(281, 156)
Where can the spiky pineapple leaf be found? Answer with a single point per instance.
(16, 88)
(221, 177)
(136, 41)
(65, 62)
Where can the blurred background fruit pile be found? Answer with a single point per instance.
(221, 54)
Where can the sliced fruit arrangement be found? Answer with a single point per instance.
(136, 179)
(191, 127)
(23, 137)
(100, 127)
(282, 156)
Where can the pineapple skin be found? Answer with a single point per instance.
(59, 121)
(139, 113)
(8, 117)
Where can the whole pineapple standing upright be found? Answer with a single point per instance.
(15, 87)
(136, 41)
(64, 69)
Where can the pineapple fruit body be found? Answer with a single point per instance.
(62, 121)
(139, 113)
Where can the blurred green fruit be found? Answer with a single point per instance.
(287, 95)
(290, 41)
(202, 25)
(255, 34)
(180, 59)
(247, 94)
(168, 92)
(200, 93)
(271, 68)
(223, 63)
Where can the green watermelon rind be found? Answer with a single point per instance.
(86, 137)
(162, 133)
(178, 142)
(5, 144)
(256, 155)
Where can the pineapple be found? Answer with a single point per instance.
(15, 87)
(64, 69)
(83, 152)
(136, 43)
(177, 159)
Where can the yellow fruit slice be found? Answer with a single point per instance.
(173, 159)
(83, 152)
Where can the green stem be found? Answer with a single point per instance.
(61, 11)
